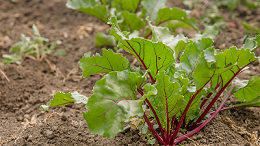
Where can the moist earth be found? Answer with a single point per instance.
(33, 83)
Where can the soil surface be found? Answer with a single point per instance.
(33, 83)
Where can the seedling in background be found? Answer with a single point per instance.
(35, 49)
(179, 90)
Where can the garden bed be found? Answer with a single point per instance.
(33, 83)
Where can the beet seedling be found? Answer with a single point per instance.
(35, 49)
(179, 90)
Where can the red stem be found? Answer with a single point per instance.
(153, 80)
(229, 108)
(208, 96)
(184, 115)
(212, 102)
(157, 137)
(155, 115)
(181, 138)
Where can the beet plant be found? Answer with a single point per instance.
(180, 81)
(131, 15)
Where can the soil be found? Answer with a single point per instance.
(33, 83)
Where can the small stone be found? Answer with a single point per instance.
(19, 118)
(49, 134)
(54, 127)
(233, 145)
(63, 118)
(203, 140)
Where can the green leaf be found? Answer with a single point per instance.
(163, 34)
(76, 4)
(250, 91)
(154, 56)
(17, 46)
(254, 102)
(36, 31)
(128, 5)
(209, 32)
(191, 54)
(110, 61)
(99, 11)
(132, 21)
(252, 43)
(12, 58)
(62, 99)
(113, 103)
(167, 14)
(151, 7)
(202, 73)
(167, 100)
(60, 52)
(173, 24)
(102, 39)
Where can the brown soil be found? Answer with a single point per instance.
(33, 83)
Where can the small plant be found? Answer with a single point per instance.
(35, 49)
(183, 75)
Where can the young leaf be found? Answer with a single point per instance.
(209, 32)
(202, 72)
(191, 54)
(128, 5)
(163, 34)
(167, 101)
(17, 46)
(151, 7)
(36, 31)
(76, 4)
(99, 11)
(60, 52)
(132, 21)
(110, 61)
(252, 43)
(62, 99)
(112, 103)
(102, 39)
(153, 56)
(167, 14)
(12, 58)
(250, 91)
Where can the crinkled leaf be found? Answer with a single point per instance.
(76, 4)
(110, 61)
(154, 56)
(241, 57)
(163, 34)
(62, 99)
(151, 7)
(102, 39)
(209, 32)
(128, 5)
(112, 103)
(202, 72)
(167, 14)
(250, 91)
(167, 100)
(132, 21)
(191, 54)
(99, 11)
